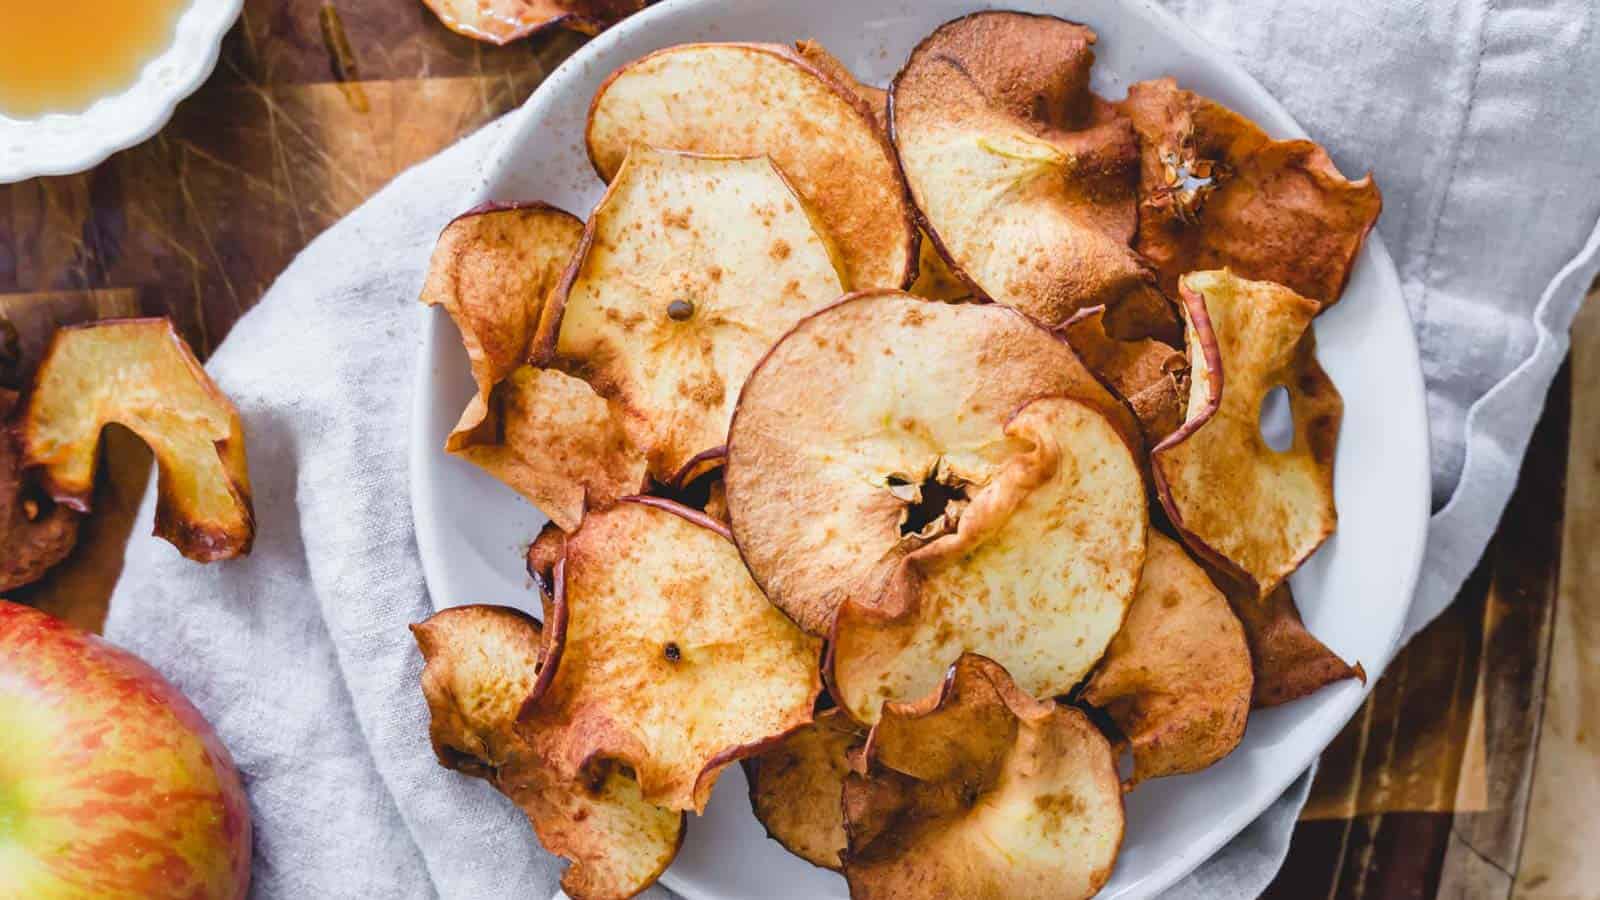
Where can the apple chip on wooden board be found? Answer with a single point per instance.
(35, 534)
(690, 268)
(1176, 679)
(1289, 661)
(663, 655)
(816, 131)
(795, 787)
(1024, 179)
(1216, 191)
(1252, 511)
(504, 21)
(479, 665)
(140, 374)
(869, 430)
(1152, 376)
(982, 791)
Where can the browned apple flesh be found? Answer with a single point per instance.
(795, 788)
(504, 21)
(35, 534)
(1290, 662)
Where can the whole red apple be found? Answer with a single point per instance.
(111, 783)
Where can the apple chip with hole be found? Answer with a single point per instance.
(1177, 678)
(504, 21)
(816, 131)
(795, 788)
(480, 663)
(691, 267)
(1216, 191)
(954, 478)
(140, 374)
(1025, 180)
(1290, 662)
(1252, 511)
(979, 790)
(665, 656)
(1151, 375)
(35, 534)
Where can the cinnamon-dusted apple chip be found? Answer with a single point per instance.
(795, 788)
(1152, 376)
(480, 663)
(1024, 179)
(1216, 191)
(691, 267)
(1176, 679)
(140, 374)
(504, 21)
(34, 533)
(666, 657)
(1289, 660)
(492, 269)
(871, 428)
(765, 99)
(1252, 511)
(982, 791)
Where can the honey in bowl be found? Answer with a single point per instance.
(59, 56)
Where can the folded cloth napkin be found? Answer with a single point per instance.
(1477, 117)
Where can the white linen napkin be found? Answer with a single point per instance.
(1480, 120)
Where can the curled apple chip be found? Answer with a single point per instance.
(1289, 660)
(492, 269)
(1176, 679)
(1025, 180)
(871, 428)
(690, 268)
(34, 535)
(666, 657)
(480, 663)
(1151, 375)
(1252, 511)
(504, 21)
(1217, 192)
(796, 785)
(553, 440)
(140, 374)
(815, 130)
(982, 791)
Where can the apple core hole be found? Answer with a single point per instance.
(934, 497)
(1277, 420)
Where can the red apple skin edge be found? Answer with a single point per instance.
(111, 783)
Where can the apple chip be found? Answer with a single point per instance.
(872, 427)
(667, 658)
(691, 267)
(504, 21)
(1289, 660)
(1152, 376)
(34, 536)
(1252, 511)
(480, 663)
(1025, 180)
(981, 791)
(491, 270)
(551, 438)
(795, 788)
(816, 131)
(1216, 191)
(140, 374)
(1176, 678)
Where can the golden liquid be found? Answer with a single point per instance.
(62, 55)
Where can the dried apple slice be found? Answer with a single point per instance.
(1025, 180)
(492, 269)
(1176, 679)
(690, 268)
(1152, 376)
(140, 374)
(981, 791)
(667, 658)
(1289, 661)
(553, 440)
(817, 132)
(1215, 191)
(869, 419)
(795, 788)
(504, 21)
(480, 663)
(34, 536)
(1254, 512)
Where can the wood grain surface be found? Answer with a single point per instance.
(1470, 772)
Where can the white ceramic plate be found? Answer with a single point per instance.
(1354, 592)
(60, 144)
